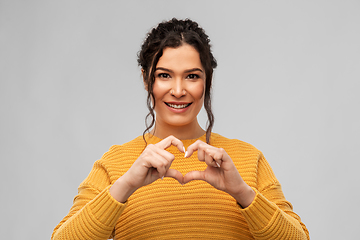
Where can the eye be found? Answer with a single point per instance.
(163, 75)
(193, 76)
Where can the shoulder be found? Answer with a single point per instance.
(120, 158)
(245, 157)
(218, 140)
(135, 146)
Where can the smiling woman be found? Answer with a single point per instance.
(155, 187)
(178, 90)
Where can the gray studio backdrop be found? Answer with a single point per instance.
(287, 82)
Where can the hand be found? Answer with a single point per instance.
(221, 172)
(152, 164)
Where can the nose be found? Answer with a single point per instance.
(178, 88)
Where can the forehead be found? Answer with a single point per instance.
(180, 58)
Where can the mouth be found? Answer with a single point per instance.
(178, 106)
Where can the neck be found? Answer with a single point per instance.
(191, 131)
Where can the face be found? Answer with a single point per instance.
(179, 87)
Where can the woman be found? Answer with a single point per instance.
(149, 188)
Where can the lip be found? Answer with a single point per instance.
(178, 110)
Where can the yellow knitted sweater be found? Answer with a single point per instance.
(167, 210)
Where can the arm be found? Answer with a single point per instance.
(99, 204)
(94, 212)
(268, 214)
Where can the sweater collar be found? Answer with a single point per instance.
(151, 139)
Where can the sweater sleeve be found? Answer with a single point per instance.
(270, 215)
(94, 212)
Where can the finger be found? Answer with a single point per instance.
(161, 171)
(195, 147)
(201, 154)
(153, 154)
(209, 160)
(169, 157)
(153, 151)
(170, 140)
(221, 156)
(173, 173)
(206, 153)
(158, 163)
(194, 175)
(213, 156)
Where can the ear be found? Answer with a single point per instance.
(143, 74)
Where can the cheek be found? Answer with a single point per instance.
(159, 89)
(199, 91)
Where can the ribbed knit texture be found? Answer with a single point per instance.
(167, 210)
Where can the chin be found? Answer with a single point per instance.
(179, 122)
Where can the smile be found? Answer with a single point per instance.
(178, 106)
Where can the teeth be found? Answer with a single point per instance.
(178, 106)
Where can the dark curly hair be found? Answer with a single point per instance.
(173, 34)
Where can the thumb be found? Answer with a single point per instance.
(194, 175)
(173, 173)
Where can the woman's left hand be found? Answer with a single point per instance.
(221, 172)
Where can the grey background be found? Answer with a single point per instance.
(287, 82)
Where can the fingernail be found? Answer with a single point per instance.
(217, 164)
(162, 178)
(186, 154)
(184, 149)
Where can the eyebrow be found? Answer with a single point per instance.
(187, 71)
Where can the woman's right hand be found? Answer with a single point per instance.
(152, 164)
